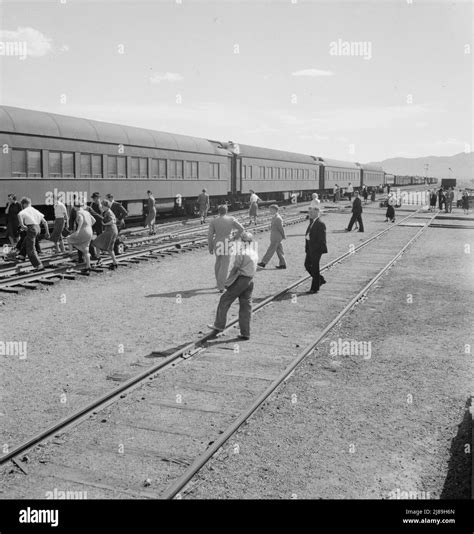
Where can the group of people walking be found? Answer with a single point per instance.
(74, 227)
(445, 198)
(228, 240)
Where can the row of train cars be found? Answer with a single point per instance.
(44, 153)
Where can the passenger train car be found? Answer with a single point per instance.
(45, 153)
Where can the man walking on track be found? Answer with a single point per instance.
(203, 205)
(277, 234)
(315, 247)
(219, 236)
(356, 213)
(239, 285)
(30, 220)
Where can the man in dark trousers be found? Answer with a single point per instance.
(315, 247)
(356, 213)
(95, 209)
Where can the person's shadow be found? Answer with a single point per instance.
(185, 294)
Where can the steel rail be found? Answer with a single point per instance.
(33, 276)
(183, 352)
(174, 490)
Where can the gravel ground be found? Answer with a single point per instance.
(349, 426)
(85, 336)
(150, 434)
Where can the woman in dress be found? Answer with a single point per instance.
(82, 236)
(106, 240)
(465, 202)
(390, 214)
(253, 207)
(150, 218)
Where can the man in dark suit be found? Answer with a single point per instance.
(315, 248)
(356, 213)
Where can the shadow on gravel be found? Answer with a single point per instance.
(458, 480)
(184, 294)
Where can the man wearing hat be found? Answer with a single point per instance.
(239, 285)
(118, 210)
(95, 210)
(315, 247)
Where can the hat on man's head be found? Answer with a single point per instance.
(95, 195)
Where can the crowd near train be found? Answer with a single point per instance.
(44, 154)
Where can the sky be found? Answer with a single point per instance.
(359, 81)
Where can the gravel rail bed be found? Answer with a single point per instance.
(83, 337)
(146, 439)
(347, 427)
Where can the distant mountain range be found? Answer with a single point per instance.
(462, 166)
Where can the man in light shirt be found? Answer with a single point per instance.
(61, 220)
(219, 237)
(30, 220)
(349, 191)
(239, 285)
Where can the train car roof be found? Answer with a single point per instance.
(250, 151)
(339, 163)
(371, 167)
(44, 124)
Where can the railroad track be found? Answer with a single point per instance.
(163, 393)
(12, 281)
(164, 231)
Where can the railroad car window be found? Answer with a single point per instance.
(55, 164)
(112, 166)
(33, 160)
(135, 168)
(67, 164)
(244, 173)
(86, 168)
(61, 164)
(121, 166)
(19, 162)
(176, 168)
(214, 170)
(143, 163)
(192, 169)
(96, 165)
(162, 168)
(154, 168)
